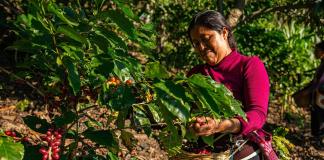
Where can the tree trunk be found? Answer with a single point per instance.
(236, 13)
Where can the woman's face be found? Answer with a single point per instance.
(211, 45)
(319, 53)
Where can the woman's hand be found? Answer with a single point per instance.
(205, 126)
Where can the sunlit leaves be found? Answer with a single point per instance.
(215, 97)
(10, 149)
(52, 7)
(72, 33)
(155, 70)
(123, 23)
(112, 37)
(173, 97)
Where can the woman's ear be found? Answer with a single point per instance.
(225, 32)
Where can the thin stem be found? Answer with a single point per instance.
(84, 109)
(28, 83)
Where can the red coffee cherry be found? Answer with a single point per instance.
(25, 139)
(117, 82)
(55, 156)
(43, 151)
(45, 157)
(59, 136)
(49, 133)
(55, 150)
(56, 143)
(112, 79)
(13, 134)
(129, 82)
(8, 133)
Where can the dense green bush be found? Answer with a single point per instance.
(81, 59)
(286, 49)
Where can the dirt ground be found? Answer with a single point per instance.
(298, 123)
(146, 148)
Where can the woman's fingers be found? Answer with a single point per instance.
(201, 119)
(204, 126)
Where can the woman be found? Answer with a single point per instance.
(317, 111)
(246, 77)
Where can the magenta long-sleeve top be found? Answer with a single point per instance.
(247, 78)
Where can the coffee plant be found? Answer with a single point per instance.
(80, 53)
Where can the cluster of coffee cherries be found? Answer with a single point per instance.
(115, 81)
(203, 151)
(15, 137)
(53, 140)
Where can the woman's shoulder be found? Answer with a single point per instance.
(251, 61)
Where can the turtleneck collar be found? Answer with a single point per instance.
(227, 60)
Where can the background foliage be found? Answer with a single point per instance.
(283, 38)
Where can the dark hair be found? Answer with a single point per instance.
(320, 46)
(212, 20)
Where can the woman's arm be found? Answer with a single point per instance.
(256, 90)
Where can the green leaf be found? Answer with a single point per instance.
(149, 27)
(66, 118)
(26, 19)
(121, 70)
(72, 51)
(140, 116)
(52, 7)
(99, 41)
(126, 66)
(173, 97)
(215, 97)
(122, 22)
(112, 156)
(169, 136)
(171, 140)
(112, 37)
(121, 99)
(72, 33)
(156, 70)
(10, 150)
(101, 137)
(209, 140)
(191, 136)
(126, 10)
(103, 64)
(153, 108)
(36, 124)
(73, 74)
